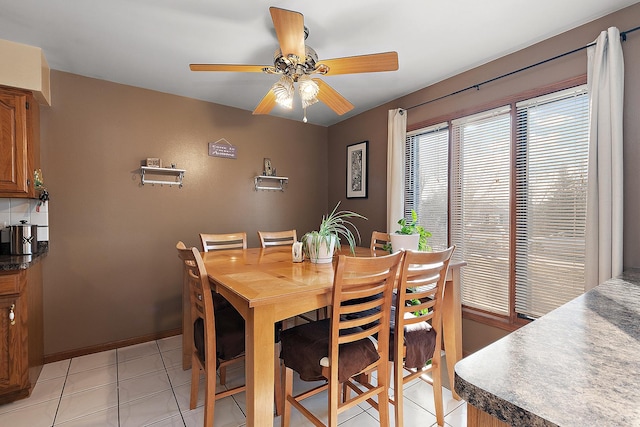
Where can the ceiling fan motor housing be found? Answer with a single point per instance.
(292, 66)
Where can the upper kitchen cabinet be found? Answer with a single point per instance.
(19, 142)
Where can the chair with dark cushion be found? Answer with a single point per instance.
(337, 349)
(219, 242)
(218, 335)
(416, 327)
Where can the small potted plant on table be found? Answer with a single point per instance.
(410, 236)
(319, 246)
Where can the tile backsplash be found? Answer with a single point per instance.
(12, 211)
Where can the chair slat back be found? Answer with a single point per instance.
(362, 295)
(200, 295)
(215, 242)
(421, 289)
(378, 241)
(277, 238)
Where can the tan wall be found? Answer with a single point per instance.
(112, 272)
(372, 125)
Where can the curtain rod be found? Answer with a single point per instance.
(623, 37)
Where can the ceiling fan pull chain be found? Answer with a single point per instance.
(304, 119)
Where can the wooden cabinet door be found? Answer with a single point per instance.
(13, 144)
(11, 351)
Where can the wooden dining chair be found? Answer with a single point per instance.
(337, 349)
(416, 326)
(225, 241)
(277, 238)
(378, 242)
(218, 335)
(214, 242)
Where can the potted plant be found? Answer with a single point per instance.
(319, 246)
(410, 236)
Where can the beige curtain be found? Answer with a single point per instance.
(397, 133)
(605, 80)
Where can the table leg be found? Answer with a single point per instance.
(259, 366)
(452, 324)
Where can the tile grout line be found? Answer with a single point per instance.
(171, 385)
(66, 376)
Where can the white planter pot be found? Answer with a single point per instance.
(404, 241)
(323, 254)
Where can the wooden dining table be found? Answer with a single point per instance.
(266, 286)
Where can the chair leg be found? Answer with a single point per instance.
(333, 404)
(398, 388)
(436, 375)
(223, 375)
(209, 398)
(288, 391)
(278, 380)
(383, 396)
(195, 378)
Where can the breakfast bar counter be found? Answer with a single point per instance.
(579, 365)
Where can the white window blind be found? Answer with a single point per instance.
(480, 207)
(551, 183)
(426, 180)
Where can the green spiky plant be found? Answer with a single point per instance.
(337, 224)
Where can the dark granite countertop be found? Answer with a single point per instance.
(21, 262)
(579, 365)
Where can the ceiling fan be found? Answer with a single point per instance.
(296, 62)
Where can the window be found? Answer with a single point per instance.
(516, 198)
(427, 154)
(551, 192)
(480, 207)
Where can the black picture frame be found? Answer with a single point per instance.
(357, 170)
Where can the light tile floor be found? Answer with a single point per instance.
(144, 385)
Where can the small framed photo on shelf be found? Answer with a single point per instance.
(357, 170)
(153, 162)
(268, 169)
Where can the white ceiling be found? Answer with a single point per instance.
(149, 43)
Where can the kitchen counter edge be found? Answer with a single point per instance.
(22, 262)
(557, 370)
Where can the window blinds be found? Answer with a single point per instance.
(551, 184)
(427, 186)
(480, 207)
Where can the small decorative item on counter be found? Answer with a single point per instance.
(39, 184)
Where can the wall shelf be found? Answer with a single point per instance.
(177, 174)
(273, 183)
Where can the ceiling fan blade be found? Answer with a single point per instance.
(387, 61)
(228, 67)
(289, 27)
(266, 105)
(332, 98)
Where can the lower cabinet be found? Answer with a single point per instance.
(21, 332)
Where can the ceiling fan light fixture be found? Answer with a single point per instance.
(283, 90)
(308, 91)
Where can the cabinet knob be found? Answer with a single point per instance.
(12, 314)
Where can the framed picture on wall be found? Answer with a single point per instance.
(357, 170)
